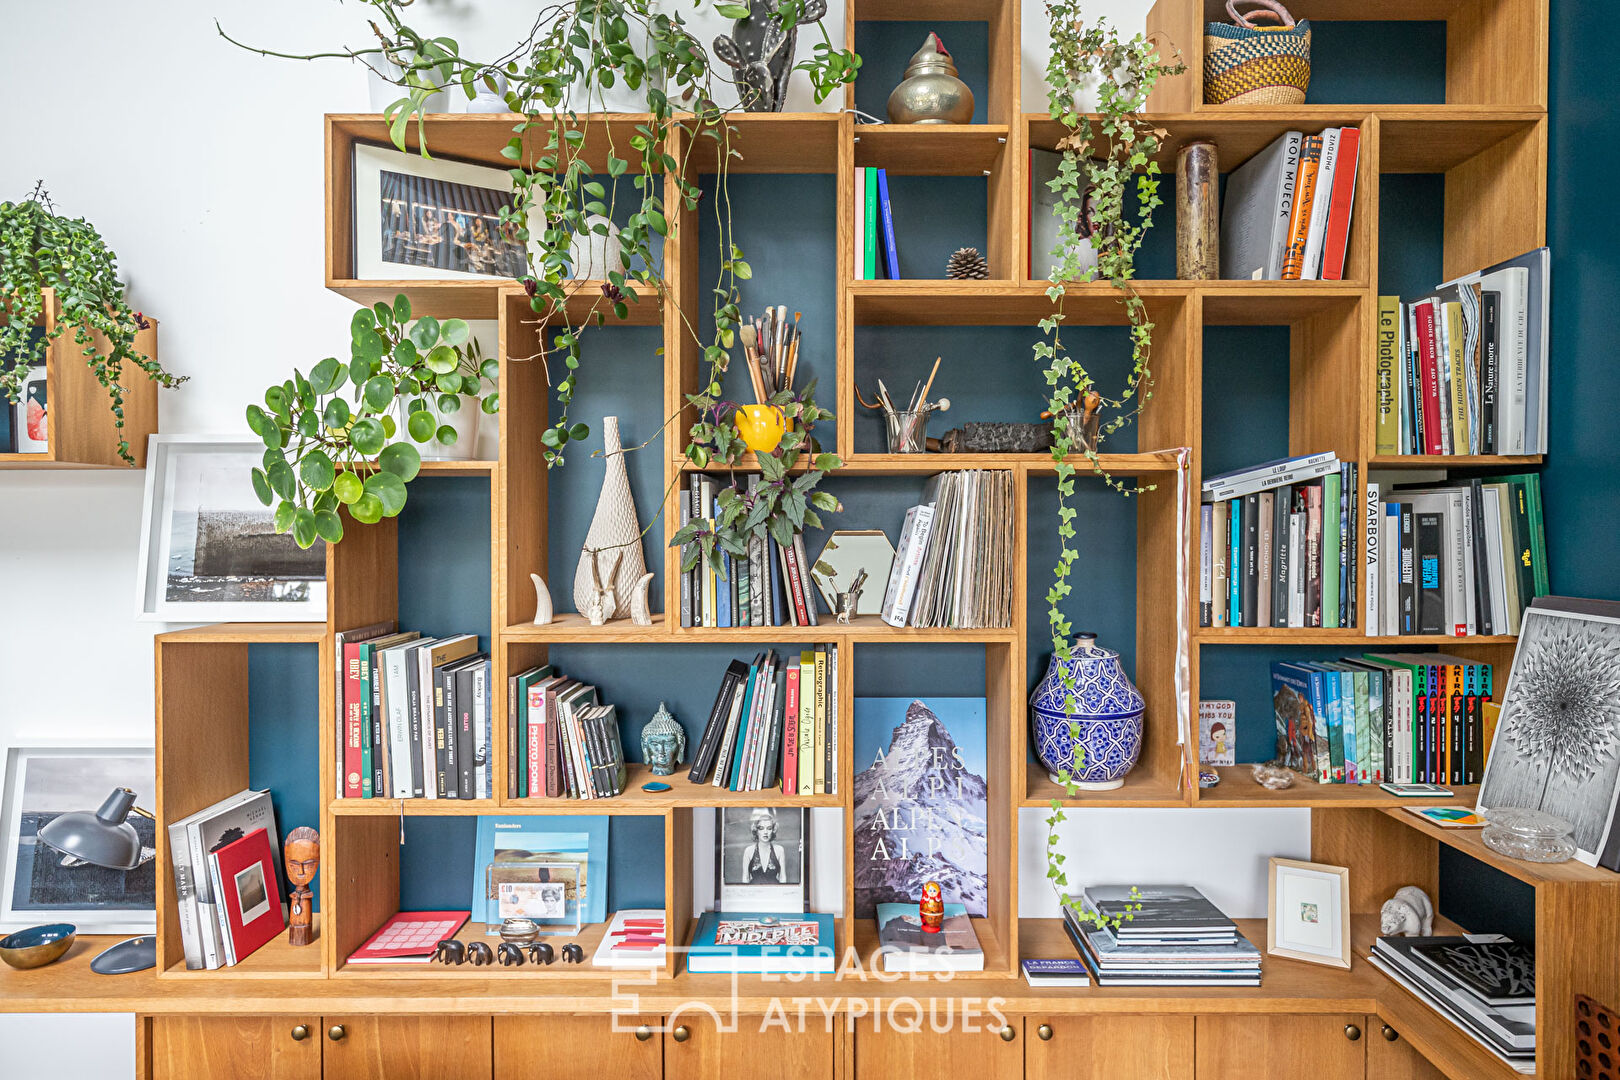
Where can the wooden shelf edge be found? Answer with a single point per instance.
(288, 633)
(1238, 788)
(1469, 842)
(1328, 637)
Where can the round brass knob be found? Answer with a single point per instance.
(1390, 1034)
(1045, 1032)
(1007, 1033)
(300, 1033)
(643, 1033)
(1352, 1032)
(336, 1033)
(682, 1033)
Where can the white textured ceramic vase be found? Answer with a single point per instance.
(614, 530)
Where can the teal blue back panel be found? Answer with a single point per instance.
(1376, 62)
(284, 715)
(444, 569)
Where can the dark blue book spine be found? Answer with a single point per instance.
(891, 254)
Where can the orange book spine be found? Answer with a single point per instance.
(1299, 219)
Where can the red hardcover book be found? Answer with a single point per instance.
(248, 891)
(790, 731)
(351, 720)
(795, 586)
(410, 937)
(1430, 374)
(1337, 240)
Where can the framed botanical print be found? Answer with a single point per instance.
(39, 884)
(1308, 912)
(209, 548)
(762, 859)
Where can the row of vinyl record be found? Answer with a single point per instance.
(774, 724)
(1463, 370)
(1459, 558)
(771, 587)
(953, 564)
(414, 716)
(1276, 545)
(1286, 213)
(1401, 718)
(565, 744)
(228, 896)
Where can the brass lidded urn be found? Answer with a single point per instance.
(931, 93)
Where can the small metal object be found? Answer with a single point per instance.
(450, 951)
(480, 954)
(1044, 1032)
(1352, 1032)
(643, 1033)
(300, 1033)
(573, 953)
(509, 955)
(336, 1033)
(1390, 1034)
(682, 1033)
(37, 945)
(931, 93)
(1008, 1033)
(541, 952)
(1208, 777)
(519, 931)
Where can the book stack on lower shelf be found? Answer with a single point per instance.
(906, 944)
(565, 744)
(1485, 984)
(227, 894)
(1288, 209)
(1171, 936)
(774, 724)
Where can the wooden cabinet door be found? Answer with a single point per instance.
(696, 1050)
(1242, 1047)
(241, 1047)
(1108, 1047)
(407, 1047)
(577, 1048)
(1390, 1057)
(975, 1050)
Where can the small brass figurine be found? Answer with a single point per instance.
(302, 856)
(663, 742)
(931, 93)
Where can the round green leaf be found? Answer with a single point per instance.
(448, 384)
(490, 369)
(389, 427)
(379, 392)
(317, 471)
(367, 435)
(261, 487)
(309, 425)
(447, 435)
(425, 333)
(421, 426)
(303, 529)
(368, 345)
(579, 433)
(362, 323)
(276, 398)
(406, 354)
(257, 421)
(327, 376)
(368, 510)
(282, 481)
(551, 437)
(385, 314)
(274, 454)
(449, 403)
(402, 308)
(347, 487)
(454, 332)
(284, 516)
(492, 404)
(442, 360)
(401, 459)
(359, 370)
(336, 414)
(388, 490)
(325, 501)
(328, 526)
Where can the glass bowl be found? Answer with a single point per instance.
(1530, 835)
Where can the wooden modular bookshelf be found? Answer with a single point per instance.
(1489, 140)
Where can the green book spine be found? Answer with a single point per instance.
(365, 721)
(869, 256)
(1369, 773)
(1538, 534)
(1330, 549)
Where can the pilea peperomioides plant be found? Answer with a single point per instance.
(325, 449)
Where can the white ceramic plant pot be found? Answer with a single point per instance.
(487, 100)
(385, 93)
(464, 422)
(592, 254)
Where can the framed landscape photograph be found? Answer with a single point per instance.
(209, 548)
(1308, 912)
(39, 884)
(431, 218)
(761, 859)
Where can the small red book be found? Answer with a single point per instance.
(410, 937)
(790, 732)
(1339, 207)
(249, 892)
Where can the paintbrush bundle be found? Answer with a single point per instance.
(771, 347)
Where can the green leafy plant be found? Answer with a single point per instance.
(1106, 156)
(40, 249)
(326, 448)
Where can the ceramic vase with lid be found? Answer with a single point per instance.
(931, 93)
(1104, 704)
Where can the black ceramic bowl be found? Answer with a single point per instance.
(37, 945)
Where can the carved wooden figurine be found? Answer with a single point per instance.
(931, 908)
(302, 856)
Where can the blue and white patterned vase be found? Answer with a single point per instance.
(1107, 708)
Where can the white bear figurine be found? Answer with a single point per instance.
(1408, 913)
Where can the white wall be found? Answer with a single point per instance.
(202, 166)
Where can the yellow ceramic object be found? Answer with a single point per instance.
(761, 427)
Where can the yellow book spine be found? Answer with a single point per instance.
(807, 722)
(1459, 384)
(1389, 336)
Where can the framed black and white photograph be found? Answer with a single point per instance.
(432, 218)
(1308, 912)
(761, 859)
(209, 548)
(41, 885)
(1557, 742)
(252, 898)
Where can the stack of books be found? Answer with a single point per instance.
(1287, 209)
(903, 944)
(1403, 718)
(1276, 545)
(774, 723)
(217, 891)
(876, 255)
(1178, 938)
(1485, 984)
(771, 587)
(1463, 370)
(414, 716)
(1457, 558)
(953, 566)
(564, 744)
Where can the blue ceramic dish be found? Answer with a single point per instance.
(37, 945)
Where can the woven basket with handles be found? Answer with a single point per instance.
(1245, 64)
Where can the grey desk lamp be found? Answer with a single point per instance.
(106, 838)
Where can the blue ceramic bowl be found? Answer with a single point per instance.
(37, 945)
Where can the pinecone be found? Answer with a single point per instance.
(967, 265)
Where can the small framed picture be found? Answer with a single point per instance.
(41, 885)
(432, 218)
(209, 548)
(1308, 912)
(761, 859)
